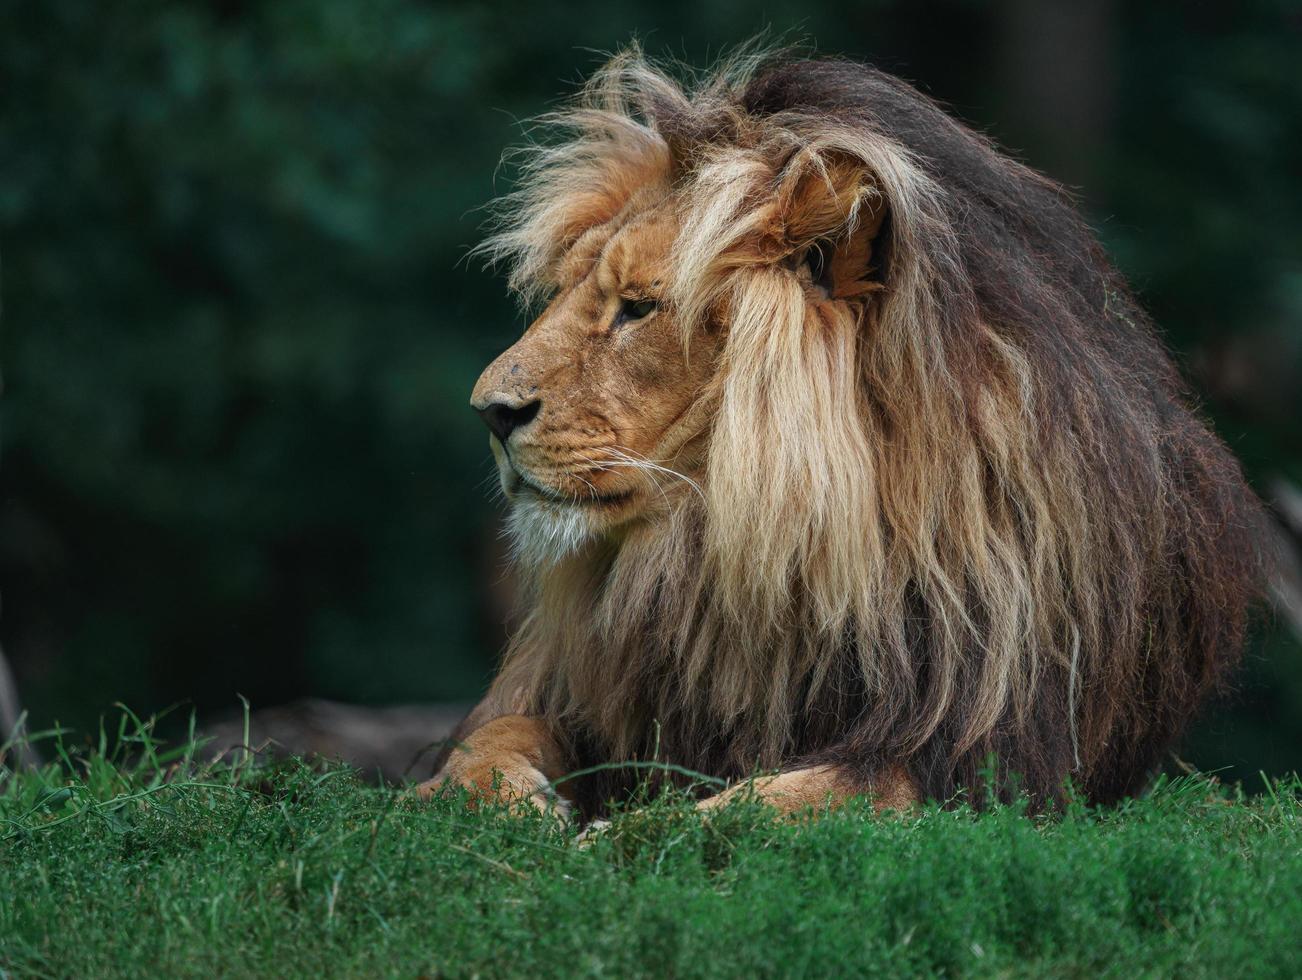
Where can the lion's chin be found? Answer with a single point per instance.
(543, 532)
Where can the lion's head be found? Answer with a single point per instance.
(616, 387)
(599, 403)
(838, 436)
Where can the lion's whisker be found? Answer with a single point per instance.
(607, 465)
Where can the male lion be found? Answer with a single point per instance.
(839, 454)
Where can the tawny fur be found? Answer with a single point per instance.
(510, 758)
(820, 788)
(942, 505)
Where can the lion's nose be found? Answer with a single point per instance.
(502, 418)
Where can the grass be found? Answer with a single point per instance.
(126, 859)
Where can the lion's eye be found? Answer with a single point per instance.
(634, 309)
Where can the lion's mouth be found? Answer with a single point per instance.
(593, 499)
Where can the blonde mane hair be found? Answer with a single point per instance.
(963, 511)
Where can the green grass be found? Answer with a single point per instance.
(125, 860)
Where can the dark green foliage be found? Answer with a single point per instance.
(237, 343)
(137, 862)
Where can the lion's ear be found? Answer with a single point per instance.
(835, 224)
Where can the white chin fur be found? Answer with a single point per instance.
(542, 532)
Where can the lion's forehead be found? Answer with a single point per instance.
(632, 251)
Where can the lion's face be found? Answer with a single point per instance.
(591, 411)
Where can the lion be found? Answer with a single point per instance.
(840, 462)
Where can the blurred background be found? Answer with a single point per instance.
(239, 334)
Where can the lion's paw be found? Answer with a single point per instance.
(498, 762)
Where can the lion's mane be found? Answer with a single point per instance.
(970, 517)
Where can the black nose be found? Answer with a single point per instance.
(503, 419)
